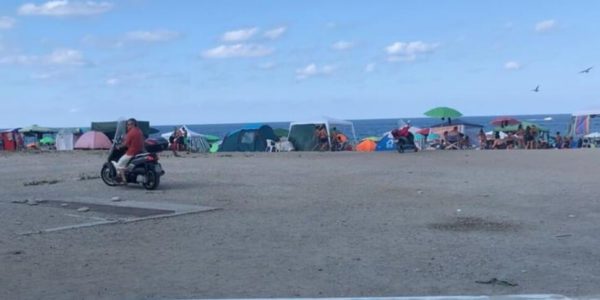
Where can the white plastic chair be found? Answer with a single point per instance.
(270, 146)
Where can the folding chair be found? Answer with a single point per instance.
(453, 142)
(270, 146)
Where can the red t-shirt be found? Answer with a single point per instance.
(134, 141)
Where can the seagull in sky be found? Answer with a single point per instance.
(586, 70)
(537, 89)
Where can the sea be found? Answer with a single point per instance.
(376, 127)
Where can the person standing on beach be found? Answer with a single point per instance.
(173, 139)
(134, 142)
(528, 138)
(535, 134)
(520, 137)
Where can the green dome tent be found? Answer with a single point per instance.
(250, 138)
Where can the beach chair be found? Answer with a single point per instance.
(270, 146)
(453, 142)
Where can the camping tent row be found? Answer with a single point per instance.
(301, 134)
(63, 140)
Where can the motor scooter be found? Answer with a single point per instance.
(404, 140)
(143, 168)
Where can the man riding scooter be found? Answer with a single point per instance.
(404, 138)
(134, 142)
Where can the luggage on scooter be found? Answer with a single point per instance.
(154, 145)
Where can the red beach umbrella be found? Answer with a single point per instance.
(504, 121)
(423, 131)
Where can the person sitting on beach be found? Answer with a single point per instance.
(334, 139)
(482, 139)
(444, 139)
(454, 137)
(465, 141)
(134, 142)
(558, 140)
(339, 140)
(567, 142)
(498, 141)
(321, 137)
(510, 141)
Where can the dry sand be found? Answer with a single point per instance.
(310, 225)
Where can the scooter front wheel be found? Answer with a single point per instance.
(400, 147)
(106, 175)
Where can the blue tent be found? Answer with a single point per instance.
(386, 143)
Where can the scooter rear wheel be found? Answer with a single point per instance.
(152, 180)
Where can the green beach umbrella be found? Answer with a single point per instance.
(372, 138)
(443, 112)
(211, 138)
(47, 140)
(214, 148)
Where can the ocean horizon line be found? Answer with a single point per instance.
(267, 122)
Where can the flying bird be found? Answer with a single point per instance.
(537, 89)
(586, 70)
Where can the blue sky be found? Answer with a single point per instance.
(67, 63)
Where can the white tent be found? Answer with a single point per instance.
(64, 140)
(593, 135)
(196, 141)
(295, 135)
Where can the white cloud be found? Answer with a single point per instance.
(152, 36)
(314, 70)
(370, 67)
(512, 65)
(130, 78)
(275, 33)
(239, 35)
(7, 22)
(74, 110)
(237, 50)
(61, 8)
(18, 60)
(401, 51)
(545, 26)
(267, 65)
(65, 57)
(45, 75)
(112, 81)
(59, 57)
(342, 45)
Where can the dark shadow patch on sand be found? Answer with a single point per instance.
(41, 182)
(467, 224)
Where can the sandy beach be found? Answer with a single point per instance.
(308, 225)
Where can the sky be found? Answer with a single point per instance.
(67, 63)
